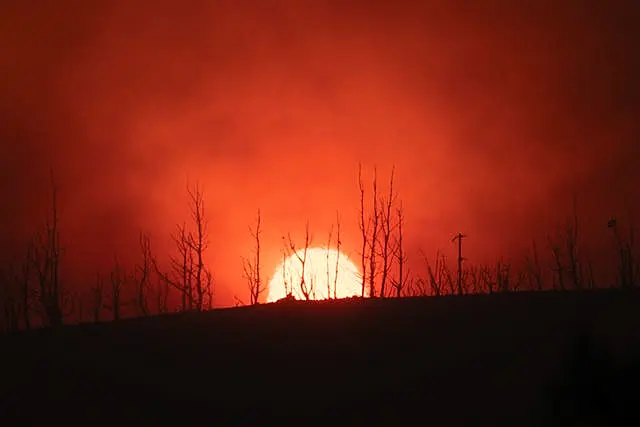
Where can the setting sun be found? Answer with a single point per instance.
(319, 276)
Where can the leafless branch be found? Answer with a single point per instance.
(374, 220)
(307, 289)
(143, 272)
(364, 226)
(45, 262)
(98, 296)
(534, 269)
(338, 246)
(251, 266)
(328, 259)
(117, 280)
(400, 255)
(387, 227)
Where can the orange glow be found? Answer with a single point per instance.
(494, 115)
(319, 276)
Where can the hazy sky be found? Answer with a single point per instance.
(494, 113)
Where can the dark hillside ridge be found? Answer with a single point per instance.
(501, 359)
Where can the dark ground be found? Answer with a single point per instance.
(512, 359)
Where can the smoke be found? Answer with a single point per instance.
(495, 115)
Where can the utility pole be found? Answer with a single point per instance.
(459, 238)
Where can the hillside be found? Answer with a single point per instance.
(502, 359)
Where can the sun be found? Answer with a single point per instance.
(319, 276)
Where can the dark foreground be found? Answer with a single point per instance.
(513, 360)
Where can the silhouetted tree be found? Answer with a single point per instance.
(489, 280)
(364, 232)
(332, 285)
(564, 249)
(143, 275)
(449, 282)
(503, 276)
(338, 246)
(626, 262)
(372, 231)
(16, 293)
(387, 227)
(307, 289)
(374, 220)
(161, 292)
(189, 274)
(117, 279)
(183, 268)
(534, 269)
(251, 266)
(403, 279)
(198, 244)
(435, 273)
(286, 273)
(328, 258)
(475, 279)
(559, 268)
(571, 236)
(508, 280)
(590, 276)
(97, 294)
(45, 261)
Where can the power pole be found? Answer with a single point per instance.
(459, 238)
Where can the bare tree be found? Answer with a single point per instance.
(332, 285)
(252, 266)
(387, 227)
(400, 255)
(198, 244)
(534, 269)
(328, 257)
(418, 287)
(286, 280)
(435, 273)
(571, 235)
(369, 228)
(338, 246)
(45, 261)
(97, 293)
(143, 275)
(373, 241)
(19, 289)
(590, 276)
(364, 231)
(162, 291)
(510, 279)
(447, 277)
(183, 268)
(307, 289)
(626, 262)
(117, 278)
(559, 267)
(503, 276)
(564, 249)
(475, 279)
(189, 274)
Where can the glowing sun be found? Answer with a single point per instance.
(320, 276)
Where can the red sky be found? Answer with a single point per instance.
(494, 113)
